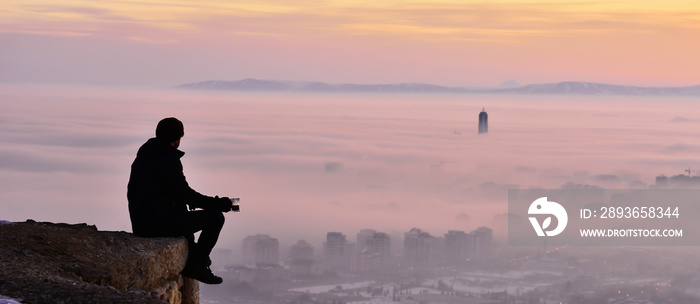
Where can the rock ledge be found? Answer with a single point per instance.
(62, 263)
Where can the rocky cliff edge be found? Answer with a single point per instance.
(62, 263)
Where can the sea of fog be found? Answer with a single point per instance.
(307, 164)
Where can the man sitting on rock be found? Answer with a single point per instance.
(159, 196)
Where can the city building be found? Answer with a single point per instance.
(458, 246)
(221, 257)
(463, 247)
(483, 122)
(483, 242)
(376, 255)
(301, 260)
(362, 237)
(262, 276)
(338, 252)
(421, 248)
(260, 249)
(302, 250)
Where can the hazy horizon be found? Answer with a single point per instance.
(314, 163)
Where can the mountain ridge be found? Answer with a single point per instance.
(557, 88)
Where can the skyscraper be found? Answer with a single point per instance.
(457, 245)
(483, 122)
(260, 249)
(376, 254)
(337, 251)
(302, 250)
(380, 247)
(419, 247)
(463, 246)
(483, 239)
(362, 237)
(267, 251)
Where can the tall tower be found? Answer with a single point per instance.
(337, 257)
(483, 122)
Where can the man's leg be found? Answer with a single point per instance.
(210, 223)
(213, 222)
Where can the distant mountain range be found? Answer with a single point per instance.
(562, 88)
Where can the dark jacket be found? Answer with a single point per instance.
(158, 193)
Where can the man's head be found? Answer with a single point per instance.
(170, 130)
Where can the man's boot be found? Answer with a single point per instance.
(201, 273)
(197, 268)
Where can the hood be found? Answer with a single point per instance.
(156, 147)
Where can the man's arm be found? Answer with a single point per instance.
(176, 178)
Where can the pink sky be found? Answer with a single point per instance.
(465, 43)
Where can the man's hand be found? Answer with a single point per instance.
(223, 204)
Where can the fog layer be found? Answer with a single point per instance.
(306, 164)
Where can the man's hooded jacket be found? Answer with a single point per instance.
(158, 192)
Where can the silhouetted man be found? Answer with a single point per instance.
(159, 196)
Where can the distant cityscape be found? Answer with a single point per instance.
(261, 267)
(457, 267)
(371, 252)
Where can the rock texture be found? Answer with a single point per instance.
(61, 263)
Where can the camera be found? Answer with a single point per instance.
(235, 204)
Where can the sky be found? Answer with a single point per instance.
(457, 43)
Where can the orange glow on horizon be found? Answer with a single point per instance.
(640, 42)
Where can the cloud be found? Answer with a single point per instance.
(75, 140)
(377, 188)
(606, 178)
(391, 207)
(29, 161)
(637, 185)
(331, 167)
(523, 169)
(684, 119)
(628, 176)
(94, 13)
(462, 218)
(682, 148)
(495, 191)
(571, 185)
(500, 222)
(622, 176)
